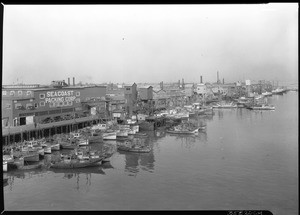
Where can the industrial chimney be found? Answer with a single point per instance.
(218, 77)
(73, 81)
(162, 85)
(201, 79)
(68, 81)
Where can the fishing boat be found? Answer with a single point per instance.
(122, 133)
(109, 135)
(177, 131)
(31, 156)
(262, 107)
(83, 142)
(8, 158)
(68, 146)
(229, 105)
(31, 166)
(266, 93)
(55, 146)
(278, 91)
(95, 137)
(70, 162)
(129, 147)
(47, 150)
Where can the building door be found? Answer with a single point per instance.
(22, 120)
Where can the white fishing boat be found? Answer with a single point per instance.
(101, 127)
(266, 93)
(109, 135)
(229, 105)
(278, 91)
(122, 133)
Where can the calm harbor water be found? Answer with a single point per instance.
(246, 160)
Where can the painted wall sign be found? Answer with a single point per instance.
(60, 96)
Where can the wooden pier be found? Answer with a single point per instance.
(27, 132)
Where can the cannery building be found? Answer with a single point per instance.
(30, 104)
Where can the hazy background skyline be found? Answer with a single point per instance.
(150, 43)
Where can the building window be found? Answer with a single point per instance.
(20, 93)
(51, 104)
(128, 88)
(42, 96)
(65, 103)
(36, 105)
(42, 103)
(28, 93)
(4, 93)
(12, 93)
(61, 104)
(77, 93)
(8, 106)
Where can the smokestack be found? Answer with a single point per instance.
(69, 81)
(162, 85)
(73, 81)
(201, 79)
(217, 76)
(223, 81)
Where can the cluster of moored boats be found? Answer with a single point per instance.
(26, 155)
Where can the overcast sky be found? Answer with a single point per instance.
(150, 43)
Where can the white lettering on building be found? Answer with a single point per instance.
(60, 96)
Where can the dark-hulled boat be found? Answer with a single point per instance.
(70, 163)
(139, 149)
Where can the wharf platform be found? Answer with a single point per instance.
(41, 130)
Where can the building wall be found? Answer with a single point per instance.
(6, 112)
(50, 102)
(146, 93)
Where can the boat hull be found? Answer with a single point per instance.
(68, 146)
(32, 157)
(109, 136)
(138, 150)
(55, 147)
(182, 132)
(76, 164)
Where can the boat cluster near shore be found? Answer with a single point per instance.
(29, 154)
